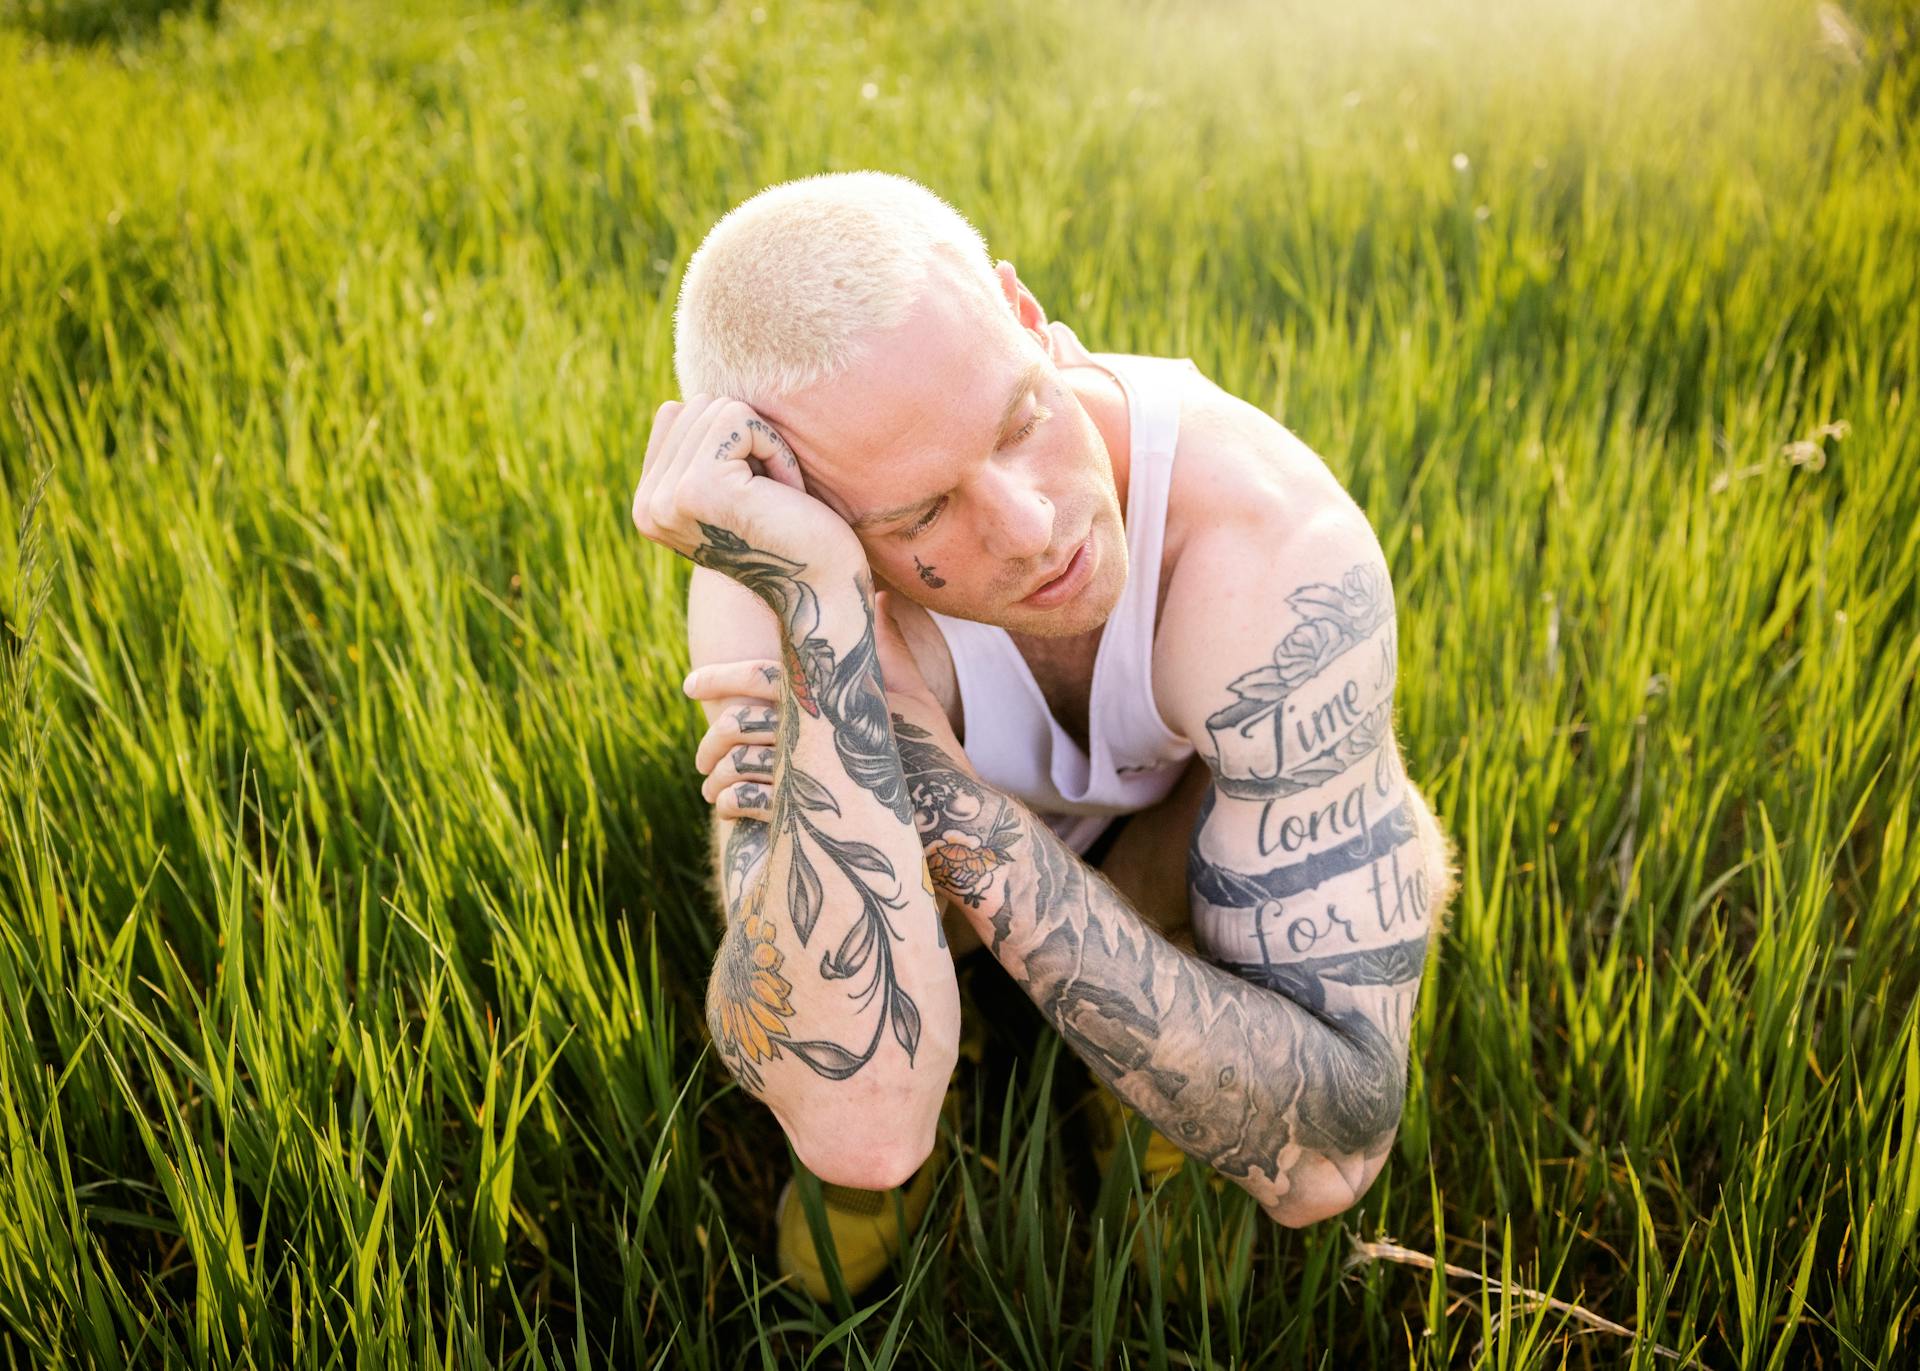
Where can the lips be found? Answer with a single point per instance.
(1056, 573)
(1066, 570)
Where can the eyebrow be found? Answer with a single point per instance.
(1029, 379)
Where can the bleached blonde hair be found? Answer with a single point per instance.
(784, 289)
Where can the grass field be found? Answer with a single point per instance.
(352, 912)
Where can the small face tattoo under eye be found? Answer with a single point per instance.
(927, 574)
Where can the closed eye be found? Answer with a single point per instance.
(1019, 435)
(925, 521)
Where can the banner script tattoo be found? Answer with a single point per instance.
(1309, 739)
(1323, 703)
(1238, 1074)
(749, 1005)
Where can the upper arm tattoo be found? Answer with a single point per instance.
(1322, 704)
(1311, 868)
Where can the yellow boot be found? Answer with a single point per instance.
(867, 1226)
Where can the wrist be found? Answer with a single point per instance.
(838, 567)
(831, 593)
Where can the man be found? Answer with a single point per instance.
(965, 592)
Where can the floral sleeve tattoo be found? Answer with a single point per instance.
(750, 1009)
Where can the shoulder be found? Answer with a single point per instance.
(1238, 469)
(1272, 552)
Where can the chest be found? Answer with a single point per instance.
(1065, 679)
(1064, 671)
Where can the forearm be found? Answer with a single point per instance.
(1261, 1085)
(833, 997)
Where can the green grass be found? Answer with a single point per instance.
(352, 912)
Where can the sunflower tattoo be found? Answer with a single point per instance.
(747, 1004)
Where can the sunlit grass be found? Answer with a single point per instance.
(352, 905)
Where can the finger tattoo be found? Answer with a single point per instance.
(757, 721)
(753, 761)
(772, 435)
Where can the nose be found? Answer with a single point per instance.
(1020, 522)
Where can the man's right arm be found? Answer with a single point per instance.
(832, 998)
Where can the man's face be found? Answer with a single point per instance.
(967, 465)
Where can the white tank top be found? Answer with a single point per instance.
(1012, 738)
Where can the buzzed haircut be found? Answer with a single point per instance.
(784, 288)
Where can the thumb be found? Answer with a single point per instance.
(898, 669)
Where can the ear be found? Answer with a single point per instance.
(1026, 309)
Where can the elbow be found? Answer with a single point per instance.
(1303, 1210)
(863, 1159)
(1325, 1187)
(873, 1138)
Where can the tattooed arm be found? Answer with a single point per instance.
(851, 1053)
(1278, 1055)
(833, 997)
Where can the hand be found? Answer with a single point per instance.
(720, 485)
(736, 755)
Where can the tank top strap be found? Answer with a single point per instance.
(1123, 676)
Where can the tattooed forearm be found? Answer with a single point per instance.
(749, 999)
(851, 694)
(775, 579)
(750, 1007)
(1255, 1076)
(845, 690)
